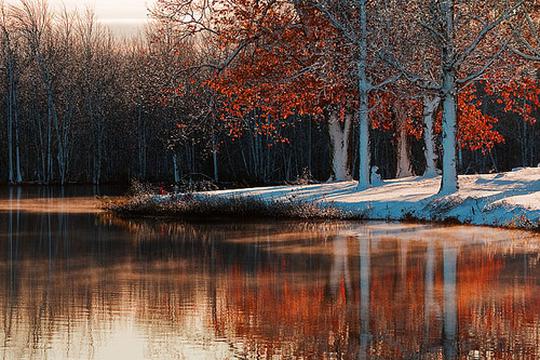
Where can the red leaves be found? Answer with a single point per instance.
(521, 98)
(476, 129)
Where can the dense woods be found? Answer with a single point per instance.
(255, 92)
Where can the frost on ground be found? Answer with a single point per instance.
(505, 199)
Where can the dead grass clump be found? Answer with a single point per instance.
(205, 206)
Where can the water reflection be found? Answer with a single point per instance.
(81, 285)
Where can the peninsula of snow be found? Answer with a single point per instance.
(509, 199)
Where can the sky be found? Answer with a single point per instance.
(123, 16)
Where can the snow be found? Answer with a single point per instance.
(505, 199)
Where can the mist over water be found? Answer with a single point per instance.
(80, 284)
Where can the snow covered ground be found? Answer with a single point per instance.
(505, 199)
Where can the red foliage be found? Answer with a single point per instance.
(476, 129)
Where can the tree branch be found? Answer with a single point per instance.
(484, 32)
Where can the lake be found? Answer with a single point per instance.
(77, 283)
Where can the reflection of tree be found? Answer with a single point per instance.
(450, 308)
(340, 277)
(365, 294)
(431, 310)
(277, 288)
(498, 299)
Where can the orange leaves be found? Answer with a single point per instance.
(381, 111)
(388, 111)
(476, 129)
(521, 97)
(286, 68)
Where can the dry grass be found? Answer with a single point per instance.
(208, 206)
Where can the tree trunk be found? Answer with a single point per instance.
(48, 177)
(449, 184)
(404, 167)
(339, 140)
(17, 150)
(175, 169)
(215, 159)
(60, 148)
(430, 105)
(10, 121)
(364, 180)
(141, 143)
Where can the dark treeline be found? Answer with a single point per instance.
(79, 105)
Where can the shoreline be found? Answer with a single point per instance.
(506, 200)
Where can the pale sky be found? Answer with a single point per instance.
(123, 16)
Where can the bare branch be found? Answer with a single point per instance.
(484, 32)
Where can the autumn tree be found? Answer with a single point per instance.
(458, 31)
(355, 24)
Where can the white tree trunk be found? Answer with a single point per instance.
(430, 105)
(404, 167)
(364, 180)
(339, 140)
(175, 169)
(449, 184)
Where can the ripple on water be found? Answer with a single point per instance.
(81, 285)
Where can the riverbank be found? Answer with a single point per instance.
(509, 199)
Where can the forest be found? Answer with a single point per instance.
(247, 92)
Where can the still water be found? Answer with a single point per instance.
(79, 284)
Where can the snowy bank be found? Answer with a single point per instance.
(505, 199)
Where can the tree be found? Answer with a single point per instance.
(12, 73)
(458, 32)
(351, 21)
